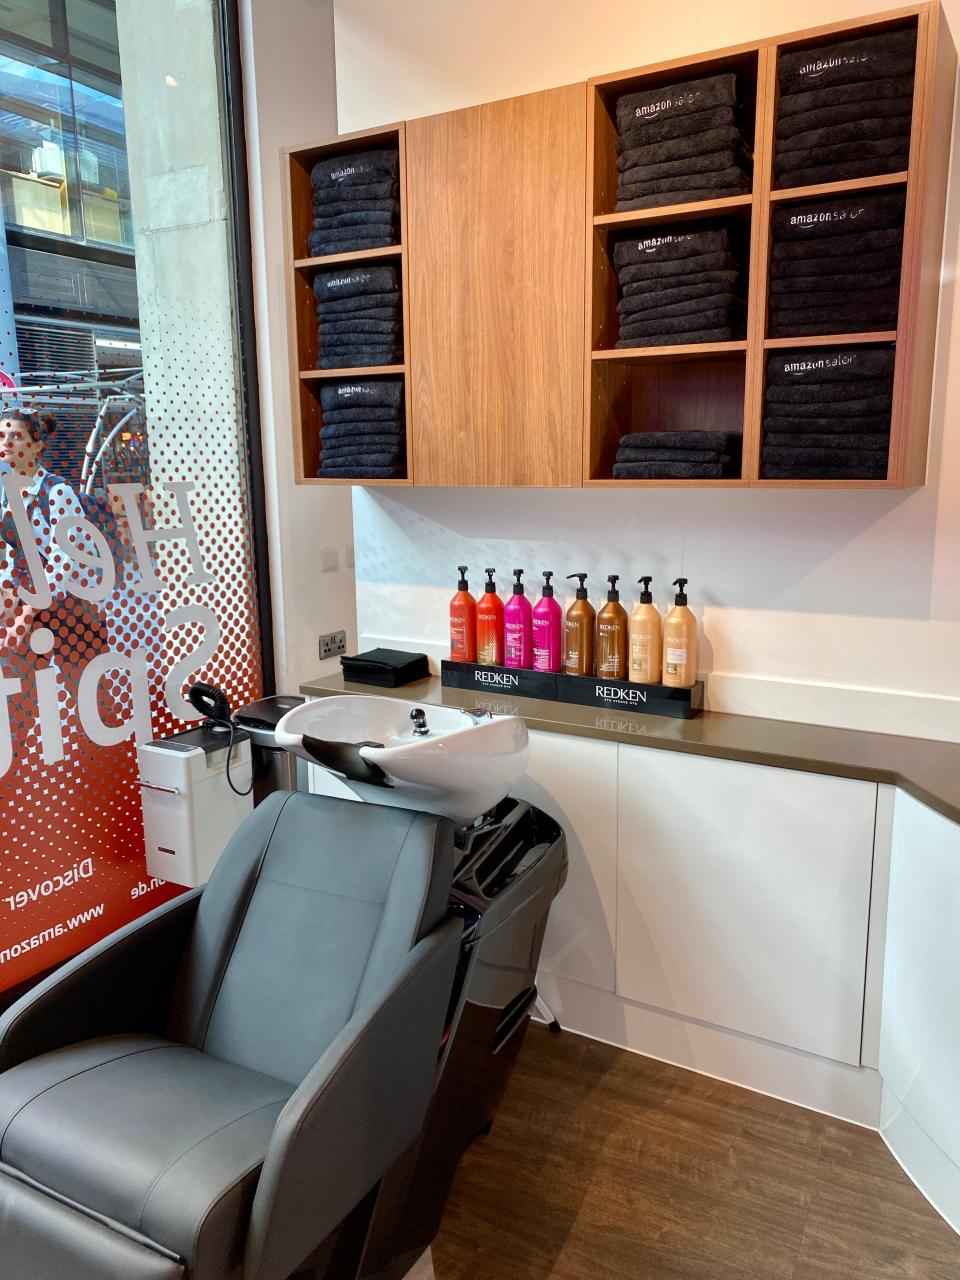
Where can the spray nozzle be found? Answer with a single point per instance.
(462, 584)
(646, 596)
(613, 593)
(582, 589)
(682, 592)
(547, 584)
(518, 584)
(491, 583)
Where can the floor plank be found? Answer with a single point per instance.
(607, 1166)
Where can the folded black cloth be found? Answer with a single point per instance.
(391, 314)
(839, 457)
(385, 189)
(829, 134)
(352, 325)
(348, 235)
(691, 196)
(640, 298)
(829, 424)
(722, 334)
(845, 170)
(385, 443)
(718, 302)
(392, 338)
(708, 162)
(669, 470)
(785, 298)
(718, 181)
(841, 364)
(827, 393)
(850, 248)
(337, 309)
(362, 413)
(720, 441)
(646, 132)
(668, 246)
(360, 168)
(880, 57)
(727, 136)
(362, 473)
(800, 471)
(883, 265)
(378, 393)
(358, 357)
(834, 216)
(803, 324)
(320, 247)
(650, 305)
(682, 99)
(386, 217)
(361, 458)
(892, 113)
(876, 442)
(857, 406)
(678, 280)
(351, 282)
(671, 455)
(883, 154)
(807, 285)
(719, 316)
(872, 93)
(388, 668)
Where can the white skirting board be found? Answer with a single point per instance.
(926, 1164)
(849, 1093)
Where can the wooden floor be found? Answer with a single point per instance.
(603, 1164)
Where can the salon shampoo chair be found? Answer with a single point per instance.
(216, 1091)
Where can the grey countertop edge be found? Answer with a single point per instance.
(926, 769)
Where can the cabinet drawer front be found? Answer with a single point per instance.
(743, 897)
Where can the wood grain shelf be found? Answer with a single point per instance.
(673, 212)
(690, 351)
(352, 371)
(354, 255)
(898, 179)
(341, 480)
(877, 336)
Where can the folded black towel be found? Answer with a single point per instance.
(352, 338)
(637, 304)
(727, 136)
(357, 169)
(839, 457)
(378, 393)
(677, 324)
(356, 218)
(385, 189)
(349, 235)
(669, 245)
(671, 455)
(827, 393)
(849, 248)
(821, 138)
(824, 155)
(828, 425)
(854, 407)
(799, 471)
(359, 357)
(802, 286)
(362, 413)
(692, 195)
(669, 471)
(893, 113)
(324, 210)
(383, 431)
(785, 298)
(362, 458)
(681, 99)
(708, 162)
(840, 364)
(644, 133)
(382, 442)
(722, 334)
(676, 281)
(879, 56)
(391, 314)
(883, 265)
(720, 441)
(320, 248)
(351, 282)
(834, 216)
(721, 302)
(351, 325)
(718, 181)
(385, 305)
(845, 170)
(387, 668)
(876, 442)
(362, 473)
(781, 327)
(822, 99)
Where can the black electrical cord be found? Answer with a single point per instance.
(228, 724)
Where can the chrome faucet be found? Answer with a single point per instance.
(419, 718)
(477, 714)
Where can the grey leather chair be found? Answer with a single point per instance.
(210, 1092)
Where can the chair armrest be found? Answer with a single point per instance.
(356, 1112)
(121, 984)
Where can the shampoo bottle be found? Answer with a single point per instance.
(612, 629)
(645, 638)
(680, 642)
(518, 626)
(547, 629)
(463, 622)
(578, 632)
(490, 625)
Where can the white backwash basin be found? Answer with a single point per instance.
(461, 768)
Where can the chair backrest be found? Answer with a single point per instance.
(313, 905)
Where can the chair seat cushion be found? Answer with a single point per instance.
(163, 1139)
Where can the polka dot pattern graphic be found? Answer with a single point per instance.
(81, 579)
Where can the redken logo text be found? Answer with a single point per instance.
(498, 679)
(612, 693)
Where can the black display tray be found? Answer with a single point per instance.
(586, 691)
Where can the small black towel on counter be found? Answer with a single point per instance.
(388, 668)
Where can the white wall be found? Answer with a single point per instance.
(289, 90)
(838, 607)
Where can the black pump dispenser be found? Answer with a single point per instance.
(682, 593)
(613, 593)
(582, 589)
(646, 595)
(518, 585)
(490, 586)
(547, 591)
(462, 584)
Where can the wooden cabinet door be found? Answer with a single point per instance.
(744, 897)
(494, 263)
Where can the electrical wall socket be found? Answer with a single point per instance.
(332, 644)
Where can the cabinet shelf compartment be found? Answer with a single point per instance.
(667, 390)
(311, 419)
(308, 338)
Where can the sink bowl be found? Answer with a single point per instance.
(461, 767)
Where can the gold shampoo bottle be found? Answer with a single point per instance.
(578, 629)
(646, 626)
(612, 629)
(680, 643)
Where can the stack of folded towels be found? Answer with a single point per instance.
(362, 437)
(355, 204)
(360, 317)
(681, 143)
(827, 414)
(678, 455)
(835, 265)
(845, 109)
(678, 286)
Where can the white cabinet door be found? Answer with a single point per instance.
(744, 896)
(575, 781)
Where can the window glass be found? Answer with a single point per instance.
(92, 33)
(28, 20)
(37, 145)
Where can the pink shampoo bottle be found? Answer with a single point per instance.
(547, 629)
(518, 627)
